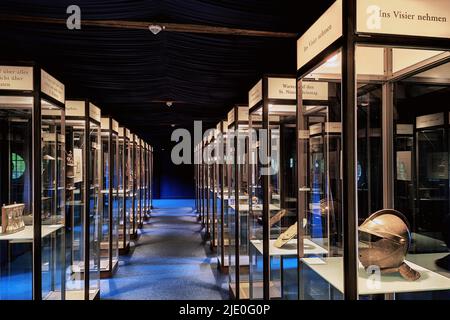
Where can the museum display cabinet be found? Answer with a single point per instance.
(124, 191)
(204, 183)
(150, 185)
(84, 211)
(196, 180)
(222, 236)
(373, 150)
(134, 165)
(238, 202)
(272, 189)
(211, 208)
(147, 179)
(32, 184)
(142, 182)
(110, 200)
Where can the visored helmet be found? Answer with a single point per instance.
(384, 242)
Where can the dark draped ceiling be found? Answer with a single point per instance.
(129, 73)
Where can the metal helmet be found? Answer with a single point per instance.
(384, 242)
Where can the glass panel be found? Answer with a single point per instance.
(16, 257)
(283, 203)
(52, 200)
(123, 232)
(105, 230)
(75, 209)
(320, 184)
(129, 187)
(115, 198)
(404, 252)
(232, 211)
(94, 183)
(256, 207)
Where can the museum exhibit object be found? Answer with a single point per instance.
(109, 235)
(272, 189)
(384, 241)
(84, 210)
(32, 184)
(124, 193)
(373, 143)
(222, 197)
(238, 203)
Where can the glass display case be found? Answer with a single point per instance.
(238, 203)
(142, 188)
(134, 180)
(272, 189)
(222, 236)
(204, 183)
(150, 183)
(84, 179)
(211, 178)
(109, 235)
(124, 191)
(147, 181)
(196, 180)
(374, 143)
(32, 184)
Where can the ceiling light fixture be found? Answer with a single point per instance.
(155, 28)
(169, 103)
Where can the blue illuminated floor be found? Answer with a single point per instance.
(169, 261)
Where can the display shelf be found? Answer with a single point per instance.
(290, 248)
(27, 233)
(332, 269)
(258, 207)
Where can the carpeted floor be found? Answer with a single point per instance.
(169, 261)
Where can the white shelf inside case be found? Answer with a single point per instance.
(331, 269)
(27, 233)
(290, 248)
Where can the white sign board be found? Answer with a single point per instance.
(326, 30)
(16, 78)
(425, 18)
(430, 120)
(75, 108)
(255, 95)
(52, 87)
(94, 112)
(115, 126)
(314, 90)
(405, 129)
(282, 88)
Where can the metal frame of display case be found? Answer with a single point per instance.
(85, 111)
(125, 225)
(222, 199)
(32, 86)
(345, 18)
(276, 91)
(238, 116)
(110, 131)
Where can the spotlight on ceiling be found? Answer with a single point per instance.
(169, 103)
(172, 125)
(155, 29)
